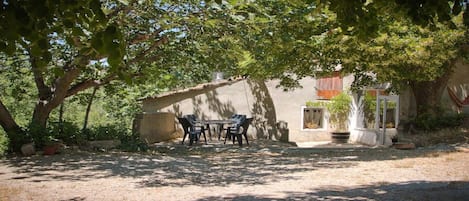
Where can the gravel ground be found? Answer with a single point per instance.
(261, 171)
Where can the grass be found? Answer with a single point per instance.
(444, 136)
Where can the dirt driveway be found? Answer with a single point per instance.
(258, 172)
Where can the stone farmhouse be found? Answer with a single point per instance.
(283, 115)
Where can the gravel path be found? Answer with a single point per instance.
(262, 171)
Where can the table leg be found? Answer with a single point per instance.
(220, 130)
(209, 132)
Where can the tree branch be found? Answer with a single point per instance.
(61, 85)
(143, 37)
(89, 84)
(147, 51)
(6, 120)
(43, 90)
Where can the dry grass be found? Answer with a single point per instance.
(444, 136)
(405, 164)
(11, 193)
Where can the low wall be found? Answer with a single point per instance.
(371, 137)
(156, 127)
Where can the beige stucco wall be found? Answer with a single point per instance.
(276, 113)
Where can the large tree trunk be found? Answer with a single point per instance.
(49, 97)
(12, 129)
(428, 93)
(38, 124)
(6, 120)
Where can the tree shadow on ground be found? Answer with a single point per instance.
(416, 190)
(179, 165)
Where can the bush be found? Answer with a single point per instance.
(129, 142)
(68, 132)
(339, 108)
(133, 143)
(3, 143)
(107, 132)
(428, 122)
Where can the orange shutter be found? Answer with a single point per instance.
(373, 93)
(328, 87)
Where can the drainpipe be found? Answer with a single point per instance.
(384, 119)
(377, 110)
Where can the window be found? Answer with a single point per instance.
(369, 109)
(328, 87)
(312, 118)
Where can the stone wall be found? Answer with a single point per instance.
(157, 127)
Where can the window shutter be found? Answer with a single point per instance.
(328, 87)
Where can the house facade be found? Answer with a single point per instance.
(283, 115)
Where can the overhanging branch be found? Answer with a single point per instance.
(89, 84)
(147, 51)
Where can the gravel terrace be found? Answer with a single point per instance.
(261, 171)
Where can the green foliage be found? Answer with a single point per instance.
(17, 88)
(4, 143)
(66, 131)
(339, 108)
(369, 110)
(107, 132)
(364, 17)
(39, 20)
(315, 104)
(133, 143)
(429, 122)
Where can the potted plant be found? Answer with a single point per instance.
(369, 109)
(339, 109)
(52, 146)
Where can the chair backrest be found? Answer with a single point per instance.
(185, 123)
(239, 118)
(246, 124)
(191, 117)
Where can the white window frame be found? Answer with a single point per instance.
(325, 123)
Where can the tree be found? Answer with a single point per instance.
(364, 37)
(420, 58)
(419, 53)
(71, 47)
(363, 17)
(58, 40)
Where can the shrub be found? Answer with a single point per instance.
(68, 132)
(3, 142)
(339, 108)
(107, 132)
(133, 143)
(129, 141)
(429, 122)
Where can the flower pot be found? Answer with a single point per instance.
(340, 137)
(50, 149)
(404, 145)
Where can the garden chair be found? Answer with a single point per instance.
(238, 119)
(239, 131)
(192, 130)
